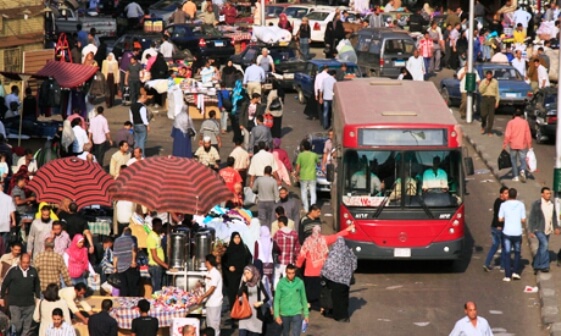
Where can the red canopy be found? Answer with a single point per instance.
(67, 75)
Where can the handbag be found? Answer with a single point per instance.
(241, 309)
(114, 280)
(504, 160)
(276, 105)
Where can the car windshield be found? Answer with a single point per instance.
(205, 30)
(273, 11)
(296, 12)
(504, 73)
(318, 16)
(432, 178)
(550, 100)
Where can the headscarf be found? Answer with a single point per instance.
(340, 264)
(256, 275)
(68, 136)
(77, 257)
(52, 215)
(228, 69)
(316, 246)
(183, 122)
(237, 95)
(265, 245)
(236, 253)
(111, 61)
(276, 143)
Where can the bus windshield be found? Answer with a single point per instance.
(409, 178)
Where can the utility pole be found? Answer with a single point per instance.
(470, 76)
(557, 169)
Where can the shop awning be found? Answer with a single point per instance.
(17, 76)
(67, 75)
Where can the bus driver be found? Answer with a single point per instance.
(435, 179)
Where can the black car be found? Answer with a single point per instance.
(201, 40)
(541, 113)
(286, 61)
(145, 40)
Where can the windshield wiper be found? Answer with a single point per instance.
(385, 200)
(425, 207)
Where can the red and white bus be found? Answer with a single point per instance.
(388, 132)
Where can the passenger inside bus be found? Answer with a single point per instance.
(359, 179)
(410, 185)
(435, 179)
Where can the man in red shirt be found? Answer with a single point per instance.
(229, 13)
(519, 138)
(230, 175)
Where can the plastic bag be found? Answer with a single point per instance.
(531, 161)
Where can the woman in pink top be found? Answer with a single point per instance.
(314, 252)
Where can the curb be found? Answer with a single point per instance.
(546, 283)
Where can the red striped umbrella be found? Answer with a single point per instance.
(84, 182)
(169, 183)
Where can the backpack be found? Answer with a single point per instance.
(268, 120)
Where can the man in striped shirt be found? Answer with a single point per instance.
(287, 240)
(124, 263)
(59, 327)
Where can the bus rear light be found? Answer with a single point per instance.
(452, 231)
(455, 222)
(459, 215)
(453, 134)
(345, 215)
(349, 222)
(352, 134)
(345, 218)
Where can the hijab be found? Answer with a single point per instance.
(237, 95)
(229, 69)
(256, 278)
(265, 245)
(316, 246)
(236, 253)
(276, 143)
(183, 122)
(340, 264)
(111, 61)
(77, 257)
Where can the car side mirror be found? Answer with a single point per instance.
(330, 172)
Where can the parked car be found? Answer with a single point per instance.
(382, 52)
(201, 40)
(317, 140)
(514, 91)
(105, 26)
(541, 113)
(145, 40)
(245, 16)
(163, 9)
(286, 60)
(319, 18)
(295, 13)
(304, 81)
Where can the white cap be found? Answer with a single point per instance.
(206, 139)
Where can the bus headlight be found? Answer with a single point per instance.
(349, 222)
(455, 222)
(451, 230)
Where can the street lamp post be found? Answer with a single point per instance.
(470, 76)
(557, 169)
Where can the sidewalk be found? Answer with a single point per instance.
(489, 148)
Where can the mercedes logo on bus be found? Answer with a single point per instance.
(402, 237)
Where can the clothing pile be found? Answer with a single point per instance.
(271, 34)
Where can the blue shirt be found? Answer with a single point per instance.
(432, 180)
(464, 328)
(513, 212)
(327, 87)
(83, 37)
(254, 73)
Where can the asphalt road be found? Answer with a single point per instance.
(408, 298)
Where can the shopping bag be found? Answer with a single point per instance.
(531, 160)
(241, 309)
(504, 160)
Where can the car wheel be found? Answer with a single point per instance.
(301, 98)
(446, 96)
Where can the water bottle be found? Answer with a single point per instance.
(304, 327)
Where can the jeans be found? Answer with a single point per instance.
(292, 321)
(99, 152)
(427, 65)
(497, 236)
(213, 318)
(326, 118)
(305, 47)
(516, 154)
(541, 259)
(304, 186)
(156, 275)
(140, 134)
(134, 90)
(6, 238)
(486, 53)
(224, 120)
(22, 317)
(81, 279)
(509, 242)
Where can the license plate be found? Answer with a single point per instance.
(218, 43)
(288, 76)
(402, 253)
(511, 95)
(399, 63)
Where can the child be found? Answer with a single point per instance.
(107, 261)
(4, 169)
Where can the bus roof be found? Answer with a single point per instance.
(369, 101)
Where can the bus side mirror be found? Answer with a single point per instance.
(469, 165)
(330, 172)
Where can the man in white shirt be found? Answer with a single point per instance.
(166, 48)
(100, 135)
(133, 12)
(326, 98)
(213, 295)
(150, 51)
(7, 216)
(543, 76)
(416, 66)
(523, 17)
(136, 156)
(259, 161)
(80, 135)
(29, 161)
(513, 214)
(389, 7)
(265, 61)
(519, 64)
(471, 324)
(13, 97)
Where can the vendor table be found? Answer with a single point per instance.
(210, 102)
(101, 226)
